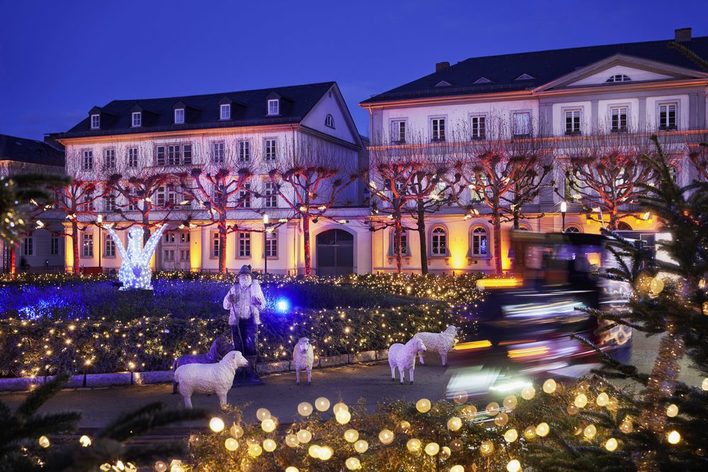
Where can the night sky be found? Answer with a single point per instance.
(59, 58)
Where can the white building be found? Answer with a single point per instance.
(262, 130)
(557, 98)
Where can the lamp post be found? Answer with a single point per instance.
(265, 243)
(564, 209)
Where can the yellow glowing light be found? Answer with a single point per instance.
(343, 417)
(322, 404)
(528, 392)
(672, 411)
(304, 436)
(580, 400)
(386, 436)
(486, 448)
(457, 468)
(314, 451)
(485, 284)
(262, 414)
(626, 426)
(611, 444)
(340, 406)
(292, 469)
(268, 425)
(413, 445)
(216, 424)
(460, 398)
(432, 448)
(572, 410)
(304, 409)
(472, 345)
(269, 445)
(85, 441)
(423, 405)
(404, 425)
(542, 429)
(231, 444)
(469, 412)
(549, 386)
(704, 384)
(160, 466)
(361, 446)
(674, 437)
(492, 408)
(351, 435)
(236, 431)
(530, 433)
(513, 466)
(454, 423)
(602, 399)
(291, 440)
(352, 463)
(44, 442)
(501, 419)
(528, 352)
(511, 435)
(510, 402)
(590, 431)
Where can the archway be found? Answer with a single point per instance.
(335, 252)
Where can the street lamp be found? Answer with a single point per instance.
(265, 243)
(564, 210)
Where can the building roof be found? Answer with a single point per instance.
(30, 151)
(525, 71)
(248, 108)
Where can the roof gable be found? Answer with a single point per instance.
(333, 103)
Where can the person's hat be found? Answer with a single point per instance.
(245, 270)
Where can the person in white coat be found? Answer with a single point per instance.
(245, 301)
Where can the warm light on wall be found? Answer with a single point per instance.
(458, 256)
(484, 284)
(195, 250)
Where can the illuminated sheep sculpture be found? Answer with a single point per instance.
(135, 272)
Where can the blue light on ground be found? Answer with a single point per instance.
(282, 305)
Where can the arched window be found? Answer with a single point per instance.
(622, 226)
(572, 229)
(618, 78)
(480, 242)
(438, 242)
(405, 248)
(329, 121)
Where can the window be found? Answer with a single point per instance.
(244, 196)
(618, 78)
(269, 151)
(109, 202)
(438, 244)
(170, 237)
(167, 195)
(173, 154)
(169, 255)
(329, 121)
(572, 121)
(437, 129)
(87, 245)
(54, 245)
(480, 242)
(521, 124)
(109, 158)
(132, 157)
(109, 247)
(271, 244)
(667, 116)
(244, 151)
(186, 154)
(270, 195)
(218, 152)
(478, 127)
(132, 199)
(87, 159)
(244, 244)
(137, 119)
(618, 119)
(179, 116)
(404, 243)
(28, 246)
(215, 244)
(95, 121)
(171, 194)
(622, 226)
(225, 111)
(478, 189)
(184, 255)
(88, 202)
(398, 131)
(273, 106)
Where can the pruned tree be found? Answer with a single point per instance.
(311, 180)
(699, 159)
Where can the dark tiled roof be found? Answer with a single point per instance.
(248, 108)
(28, 150)
(542, 66)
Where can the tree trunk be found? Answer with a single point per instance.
(612, 226)
(75, 247)
(422, 238)
(516, 218)
(306, 242)
(397, 232)
(13, 259)
(222, 249)
(146, 228)
(496, 221)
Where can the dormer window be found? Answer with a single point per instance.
(136, 119)
(179, 116)
(225, 111)
(273, 106)
(329, 121)
(96, 121)
(618, 78)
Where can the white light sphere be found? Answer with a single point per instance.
(454, 423)
(413, 445)
(236, 431)
(549, 386)
(674, 437)
(704, 384)
(44, 442)
(85, 441)
(314, 451)
(160, 466)
(291, 440)
(511, 435)
(423, 405)
(352, 463)
(339, 406)
(322, 404)
(432, 448)
(590, 431)
(304, 436)
(602, 399)
(351, 435)
(361, 446)
(611, 444)
(262, 414)
(528, 392)
(510, 402)
(542, 429)
(386, 436)
(326, 453)
(255, 450)
(268, 425)
(269, 445)
(580, 400)
(231, 444)
(292, 469)
(457, 468)
(513, 466)
(343, 416)
(304, 409)
(445, 453)
(672, 411)
(216, 424)
(492, 408)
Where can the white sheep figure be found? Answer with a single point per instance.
(402, 356)
(441, 342)
(209, 378)
(303, 357)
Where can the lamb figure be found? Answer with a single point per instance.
(303, 357)
(209, 378)
(402, 356)
(219, 348)
(442, 342)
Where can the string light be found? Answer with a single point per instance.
(216, 424)
(672, 411)
(454, 423)
(262, 414)
(511, 435)
(611, 444)
(542, 429)
(513, 466)
(528, 392)
(361, 446)
(352, 463)
(231, 444)
(580, 400)
(432, 448)
(413, 445)
(386, 436)
(549, 386)
(423, 405)
(304, 409)
(322, 404)
(351, 435)
(674, 437)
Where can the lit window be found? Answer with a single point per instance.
(572, 121)
(87, 159)
(28, 246)
(225, 111)
(618, 78)
(179, 116)
(618, 119)
(244, 244)
(95, 121)
(87, 245)
(480, 242)
(109, 158)
(667, 116)
(273, 106)
(521, 124)
(244, 151)
(437, 129)
(271, 243)
(398, 131)
(478, 125)
(132, 157)
(270, 153)
(438, 244)
(137, 119)
(329, 121)
(218, 152)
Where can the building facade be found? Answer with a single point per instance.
(197, 145)
(562, 103)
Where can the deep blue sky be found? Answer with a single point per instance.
(59, 58)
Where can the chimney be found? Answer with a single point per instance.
(682, 35)
(444, 65)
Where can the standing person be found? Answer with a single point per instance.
(245, 301)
